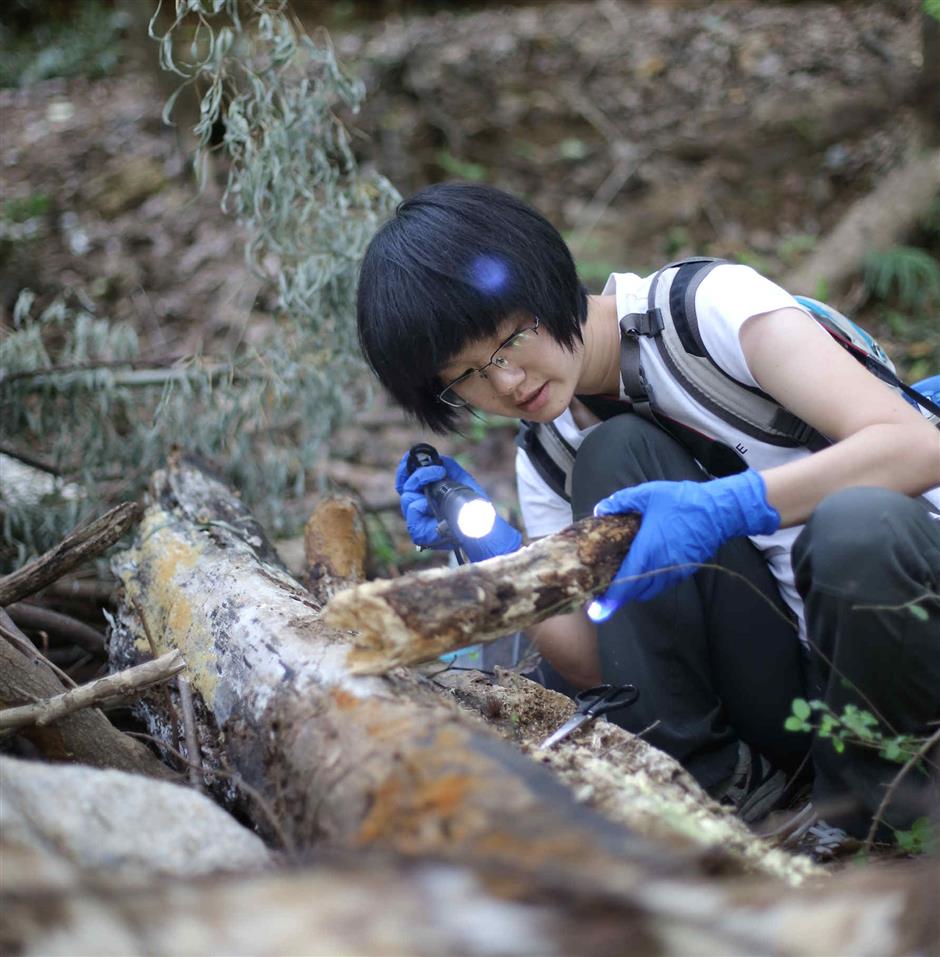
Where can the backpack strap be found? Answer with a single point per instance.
(550, 454)
(680, 345)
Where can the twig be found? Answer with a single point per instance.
(895, 782)
(121, 685)
(85, 542)
(38, 618)
(157, 362)
(189, 731)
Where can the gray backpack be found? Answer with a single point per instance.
(670, 321)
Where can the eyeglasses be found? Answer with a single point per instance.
(500, 358)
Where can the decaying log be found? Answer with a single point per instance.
(395, 622)
(367, 905)
(362, 905)
(622, 776)
(83, 543)
(364, 763)
(345, 760)
(86, 736)
(120, 685)
(334, 547)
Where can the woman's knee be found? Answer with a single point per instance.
(856, 536)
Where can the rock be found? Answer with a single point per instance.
(123, 826)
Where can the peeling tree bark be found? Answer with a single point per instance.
(393, 622)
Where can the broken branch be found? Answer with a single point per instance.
(85, 542)
(120, 685)
(396, 624)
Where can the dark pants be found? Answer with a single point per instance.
(717, 658)
(862, 557)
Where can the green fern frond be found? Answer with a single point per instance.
(909, 273)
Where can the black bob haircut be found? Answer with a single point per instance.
(446, 271)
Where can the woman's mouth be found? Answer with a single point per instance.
(535, 400)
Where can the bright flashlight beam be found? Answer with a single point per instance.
(475, 519)
(599, 612)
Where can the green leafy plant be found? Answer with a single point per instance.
(852, 726)
(860, 728)
(907, 272)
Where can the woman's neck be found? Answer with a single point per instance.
(600, 366)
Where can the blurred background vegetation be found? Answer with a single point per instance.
(646, 130)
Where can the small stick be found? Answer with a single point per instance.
(189, 730)
(121, 685)
(918, 755)
(86, 541)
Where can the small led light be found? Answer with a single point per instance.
(598, 612)
(476, 518)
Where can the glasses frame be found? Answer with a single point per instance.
(462, 403)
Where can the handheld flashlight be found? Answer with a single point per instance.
(456, 505)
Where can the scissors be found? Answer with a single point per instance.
(592, 704)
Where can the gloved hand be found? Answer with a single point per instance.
(930, 388)
(422, 522)
(683, 525)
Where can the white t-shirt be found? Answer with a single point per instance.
(728, 296)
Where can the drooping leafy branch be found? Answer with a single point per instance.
(77, 394)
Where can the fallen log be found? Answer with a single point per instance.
(392, 622)
(83, 543)
(357, 763)
(876, 222)
(342, 759)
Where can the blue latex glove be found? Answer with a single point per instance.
(683, 525)
(422, 523)
(930, 388)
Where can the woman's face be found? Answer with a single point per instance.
(521, 372)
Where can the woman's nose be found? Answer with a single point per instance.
(505, 380)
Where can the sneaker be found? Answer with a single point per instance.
(755, 787)
(820, 841)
